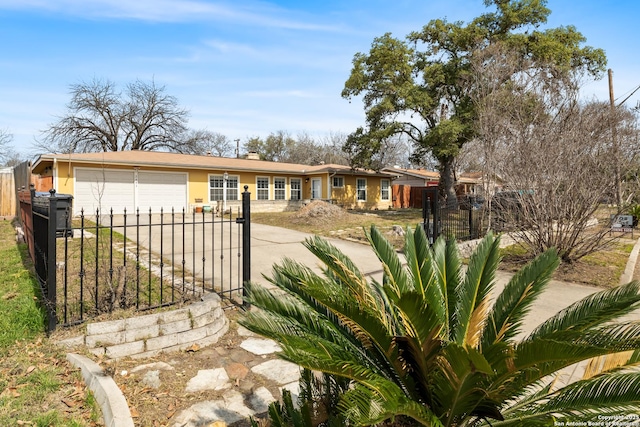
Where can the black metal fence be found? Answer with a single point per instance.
(97, 263)
(463, 220)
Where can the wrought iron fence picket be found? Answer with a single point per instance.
(82, 297)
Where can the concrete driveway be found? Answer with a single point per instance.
(211, 250)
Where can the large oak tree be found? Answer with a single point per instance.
(418, 86)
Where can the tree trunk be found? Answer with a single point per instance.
(448, 179)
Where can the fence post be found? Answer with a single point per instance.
(430, 206)
(246, 242)
(51, 261)
(471, 232)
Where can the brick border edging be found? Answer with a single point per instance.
(202, 323)
(115, 410)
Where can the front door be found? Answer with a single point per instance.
(316, 188)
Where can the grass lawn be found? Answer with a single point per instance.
(38, 387)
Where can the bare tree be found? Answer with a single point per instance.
(628, 137)
(310, 151)
(332, 144)
(303, 149)
(8, 156)
(5, 139)
(205, 142)
(154, 120)
(391, 150)
(553, 151)
(100, 118)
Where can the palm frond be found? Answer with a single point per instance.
(593, 310)
(339, 267)
(515, 300)
(601, 364)
(587, 398)
(332, 299)
(419, 319)
(423, 342)
(286, 414)
(537, 359)
(474, 291)
(420, 262)
(367, 406)
(446, 265)
(394, 275)
(457, 383)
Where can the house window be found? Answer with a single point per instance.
(279, 188)
(361, 189)
(338, 182)
(216, 188)
(262, 183)
(296, 188)
(384, 189)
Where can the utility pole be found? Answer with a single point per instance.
(614, 136)
(237, 148)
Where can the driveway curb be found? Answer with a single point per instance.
(115, 409)
(627, 276)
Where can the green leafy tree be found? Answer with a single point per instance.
(417, 87)
(430, 343)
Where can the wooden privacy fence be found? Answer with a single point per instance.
(7, 193)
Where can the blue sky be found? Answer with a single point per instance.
(244, 68)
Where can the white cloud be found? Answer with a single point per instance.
(245, 13)
(231, 47)
(279, 94)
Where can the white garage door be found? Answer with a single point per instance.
(104, 190)
(164, 190)
(116, 189)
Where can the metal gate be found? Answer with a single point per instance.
(103, 262)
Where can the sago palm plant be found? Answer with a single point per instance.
(434, 343)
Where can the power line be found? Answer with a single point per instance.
(630, 95)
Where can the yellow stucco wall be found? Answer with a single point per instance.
(198, 180)
(346, 196)
(198, 184)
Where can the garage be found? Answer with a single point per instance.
(164, 190)
(116, 189)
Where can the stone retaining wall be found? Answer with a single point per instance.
(201, 323)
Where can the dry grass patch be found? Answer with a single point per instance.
(329, 220)
(602, 268)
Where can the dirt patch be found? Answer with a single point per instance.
(319, 212)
